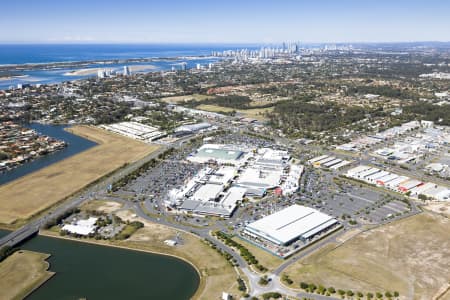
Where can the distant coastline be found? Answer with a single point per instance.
(24, 65)
(93, 71)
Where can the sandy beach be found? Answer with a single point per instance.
(94, 71)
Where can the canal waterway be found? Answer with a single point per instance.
(76, 144)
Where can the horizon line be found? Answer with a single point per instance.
(209, 43)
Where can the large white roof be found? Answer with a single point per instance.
(208, 192)
(82, 227)
(290, 223)
(260, 177)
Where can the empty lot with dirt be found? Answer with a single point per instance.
(411, 256)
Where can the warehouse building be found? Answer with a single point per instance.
(329, 162)
(406, 186)
(403, 184)
(356, 170)
(393, 184)
(385, 179)
(318, 158)
(340, 165)
(136, 131)
(289, 225)
(192, 129)
(373, 178)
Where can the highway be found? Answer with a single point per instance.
(16, 237)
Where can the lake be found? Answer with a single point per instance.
(99, 272)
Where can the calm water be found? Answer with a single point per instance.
(76, 145)
(57, 76)
(96, 272)
(22, 54)
(28, 53)
(3, 233)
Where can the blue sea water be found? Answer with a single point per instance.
(45, 53)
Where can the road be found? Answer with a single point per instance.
(254, 288)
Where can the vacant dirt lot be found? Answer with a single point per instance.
(37, 191)
(21, 273)
(442, 208)
(101, 206)
(411, 256)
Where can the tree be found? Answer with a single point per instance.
(422, 197)
(304, 285)
(3, 155)
(271, 295)
(263, 280)
(321, 289)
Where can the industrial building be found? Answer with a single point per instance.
(192, 129)
(136, 131)
(382, 181)
(329, 162)
(290, 224)
(402, 184)
(416, 145)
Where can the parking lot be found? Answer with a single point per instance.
(349, 201)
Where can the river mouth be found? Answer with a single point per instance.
(100, 272)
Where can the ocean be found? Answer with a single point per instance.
(47, 53)
(23, 54)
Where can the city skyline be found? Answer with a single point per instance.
(175, 21)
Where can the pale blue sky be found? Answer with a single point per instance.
(232, 21)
